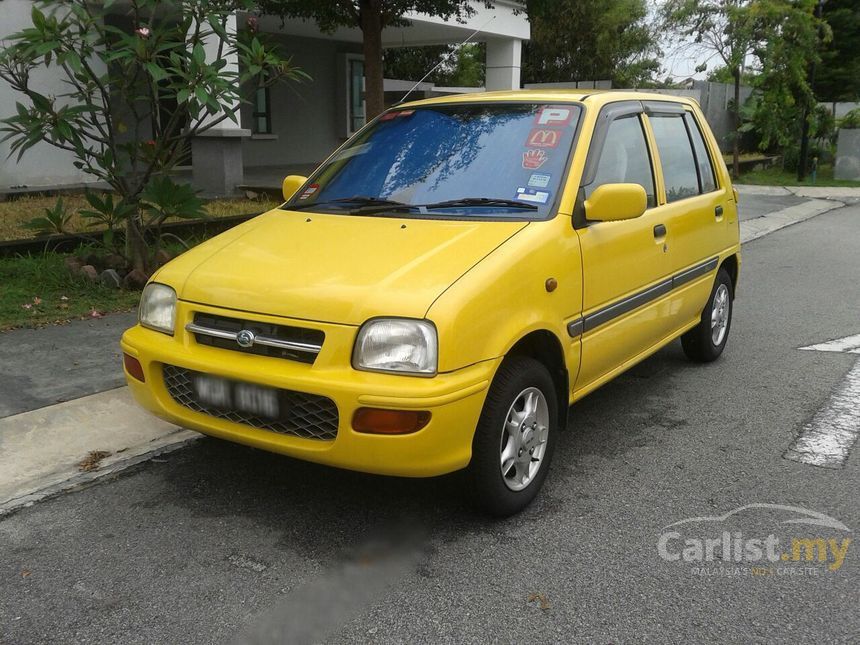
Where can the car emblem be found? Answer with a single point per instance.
(245, 338)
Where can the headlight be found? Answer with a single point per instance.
(396, 345)
(158, 308)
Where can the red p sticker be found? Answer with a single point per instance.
(553, 115)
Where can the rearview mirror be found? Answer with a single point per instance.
(614, 202)
(291, 184)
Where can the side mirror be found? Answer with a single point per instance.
(614, 202)
(291, 184)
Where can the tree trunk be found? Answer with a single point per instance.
(135, 245)
(736, 144)
(371, 29)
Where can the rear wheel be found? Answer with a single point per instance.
(515, 437)
(705, 342)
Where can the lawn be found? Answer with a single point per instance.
(38, 290)
(16, 212)
(776, 176)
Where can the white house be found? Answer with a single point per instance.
(289, 127)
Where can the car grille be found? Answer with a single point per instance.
(279, 341)
(309, 416)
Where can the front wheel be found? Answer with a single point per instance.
(515, 437)
(705, 342)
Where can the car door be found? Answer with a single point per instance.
(623, 262)
(695, 208)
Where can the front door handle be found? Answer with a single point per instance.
(660, 231)
(718, 212)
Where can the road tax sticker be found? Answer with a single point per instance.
(309, 191)
(527, 194)
(388, 116)
(554, 115)
(534, 158)
(543, 138)
(539, 180)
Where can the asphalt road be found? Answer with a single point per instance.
(219, 543)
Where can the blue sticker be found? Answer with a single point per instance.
(526, 194)
(539, 180)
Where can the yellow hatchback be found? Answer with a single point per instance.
(447, 283)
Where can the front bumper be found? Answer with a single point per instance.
(444, 445)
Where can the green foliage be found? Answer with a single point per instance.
(163, 198)
(851, 121)
(788, 42)
(588, 40)
(110, 114)
(463, 67)
(55, 220)
(838, 74)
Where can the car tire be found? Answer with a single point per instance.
(705, 342)
(515, 437)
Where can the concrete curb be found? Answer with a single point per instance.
(760, 226)
(41, 452)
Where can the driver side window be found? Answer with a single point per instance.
(624, 158)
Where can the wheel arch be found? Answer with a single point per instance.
(545, 347)
(730, 264)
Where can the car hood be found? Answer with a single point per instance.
(333, 268)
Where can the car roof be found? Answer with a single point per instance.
(588, 97)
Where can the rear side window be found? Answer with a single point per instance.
(703, 160)
(676, 156)
(624, 158)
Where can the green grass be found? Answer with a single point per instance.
(38, 290)
(776, 176)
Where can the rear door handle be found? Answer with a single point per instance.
(660, 231)
(718, 212)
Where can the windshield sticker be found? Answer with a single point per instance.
(388, 116)
(554, 116)
(540, 138)
(531, 195)
(538, 180)
(534, 159)
(310, 190)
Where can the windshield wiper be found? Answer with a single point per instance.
(369, 209)
(361, 201)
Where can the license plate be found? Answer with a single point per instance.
(246, 397)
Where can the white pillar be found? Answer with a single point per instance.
(503, 63)
(216, 154)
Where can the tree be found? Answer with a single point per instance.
(838, 77)
(788, 38)
(589, 40)
(371, 16)
(135, 97)
(721, 28)
(457, 66)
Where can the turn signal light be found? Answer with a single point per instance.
(133, 367)
(377, 421)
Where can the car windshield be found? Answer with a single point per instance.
(465, 160)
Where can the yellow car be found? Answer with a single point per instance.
(444, 285)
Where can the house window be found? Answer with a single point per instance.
(262, 115)
(355, 105)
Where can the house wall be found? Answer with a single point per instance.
(42, 165)
(307, 117)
